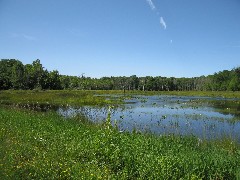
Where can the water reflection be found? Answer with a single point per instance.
(200, 116)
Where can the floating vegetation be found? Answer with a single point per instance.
(166, 114)
(171, 137)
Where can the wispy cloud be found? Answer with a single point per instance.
(163, 23)
(152, 6)
(24, 36)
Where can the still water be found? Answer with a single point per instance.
(204, 117)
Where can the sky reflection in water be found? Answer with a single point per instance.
(200, 116)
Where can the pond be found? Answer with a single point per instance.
(205, 117)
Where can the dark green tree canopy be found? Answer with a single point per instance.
(15, 75)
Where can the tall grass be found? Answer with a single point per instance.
(78, 97)
(223, 94)
(74, 98)
(35, 145)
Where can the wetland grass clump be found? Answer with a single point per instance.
(88, 97)
(36, 145)
(54, 98)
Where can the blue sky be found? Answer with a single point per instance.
(180, 38)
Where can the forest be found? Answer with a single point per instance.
(15, 75)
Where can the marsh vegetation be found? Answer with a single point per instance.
(36, 145)
(74, 135)
(66, 127)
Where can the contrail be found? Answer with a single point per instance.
(152, 6)
(163, 23)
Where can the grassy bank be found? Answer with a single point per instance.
(45, 146)
(75, 98)
(224, 94)
(79, 98)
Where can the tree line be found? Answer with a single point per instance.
(15, 75)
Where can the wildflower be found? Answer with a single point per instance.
(199, 142)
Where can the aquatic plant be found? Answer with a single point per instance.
(36, 145)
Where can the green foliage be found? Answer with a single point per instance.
(11, 74)
(46, 146)
(53, 80)
(15, 75)
(53, 98)
(38, 98)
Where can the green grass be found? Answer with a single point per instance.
(35, 145)
(34, 99)
(74, 98)
(225, 94)
(79, 97)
